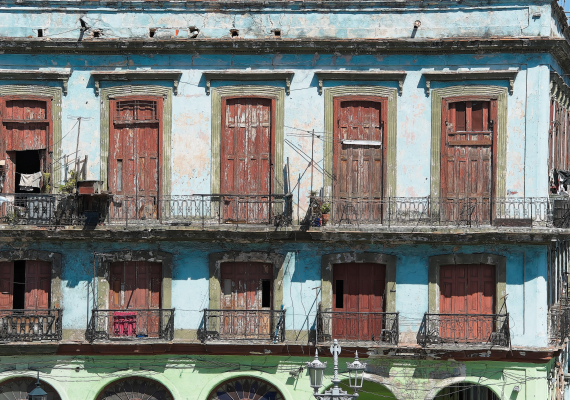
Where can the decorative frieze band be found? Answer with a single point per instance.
(248, 75)
(369, 76)
(491, 75)
(144, 75)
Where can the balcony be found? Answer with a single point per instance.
(38, 209)
(478, 330)
(439, 212)
(131, 325)
(362, 328)
(243, 325)
(559, 323)
(30, 325)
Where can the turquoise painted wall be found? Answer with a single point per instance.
(526, 281)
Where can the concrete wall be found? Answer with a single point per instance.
(192, 378)
(528, 112)
(363, 20)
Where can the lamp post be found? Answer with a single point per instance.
(37, 393)
(317, 369)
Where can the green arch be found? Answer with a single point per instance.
(370, 391)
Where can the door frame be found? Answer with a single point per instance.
(273, 100)
(273, 92)
(391, 132)
(138, 90)
(482, 91)
(159, 112)
(444, 110)
(383, 100)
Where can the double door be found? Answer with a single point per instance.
(247, 295)
(135, 290)
(358, 158)
(467, 302)
(358, 301)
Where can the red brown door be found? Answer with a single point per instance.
(6, 285)
(246, 156)
(26, 125)
(359, 157)
(135, 288)
(468, 291)
(467, 159)
(247, 287)
(358, 297)
(38, 285)
(135, 155)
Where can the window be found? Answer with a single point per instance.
(26, 133)
(558, 142)
(25, 285)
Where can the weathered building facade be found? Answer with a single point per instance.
(196, 195)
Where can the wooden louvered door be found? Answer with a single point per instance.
(468, 291)
(135, 156)
(468, 159)
(26, 125)
(358, 157)
(38, 285)
(135, 290)
(358, 297)
(6, 285)
(247, 289)
(246, 156)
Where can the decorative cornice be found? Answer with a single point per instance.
(37, 75)
(146, 75)
(398, 76)
(255, 75)
(559, 90)
(446, 76)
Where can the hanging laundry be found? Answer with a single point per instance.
(30, 181)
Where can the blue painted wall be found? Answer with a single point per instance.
(526, 281)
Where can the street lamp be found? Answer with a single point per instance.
(317, 370)
(37, 393)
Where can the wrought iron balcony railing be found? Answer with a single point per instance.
(372, 327)
(559, 322)
(203, 209)
(30, 325)
(228, 325)
(131, 324)
(429, 211)
(465, 329)
(38, 209)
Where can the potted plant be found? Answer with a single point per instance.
(325, 210)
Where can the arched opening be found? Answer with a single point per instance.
(370, 391)
(18, 388)
(466, 391)
(135, 388)
(245, 387)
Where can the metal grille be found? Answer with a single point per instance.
(266, 325)
(136, 111)
(465, 329)
(30, 325)
(134, 324)
(358, 327)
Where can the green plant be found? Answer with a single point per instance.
(70, 185)
(313, 193)
(325, 208)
